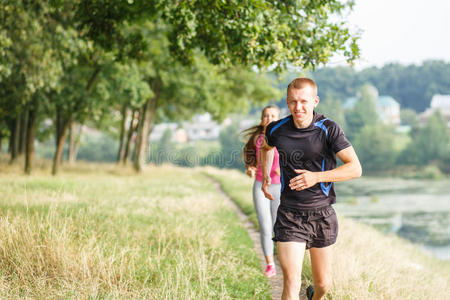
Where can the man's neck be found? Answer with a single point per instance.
(305, 123)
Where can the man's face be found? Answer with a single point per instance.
(301, 103)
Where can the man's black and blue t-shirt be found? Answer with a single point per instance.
(313, 148)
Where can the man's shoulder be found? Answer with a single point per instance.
(272, 127)
(327, 122)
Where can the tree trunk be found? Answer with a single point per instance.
(11, 135)
(121, 152)
(8, 151)
(23, 132)
(137, 141)
(1, 139)
(59, 149)
(74, 141)
(131, 130)
(144, 127)
(58, 125)
(62, 128)
(77, 142)
(31, 129)
(71, 142)
(15, 140)
(145, 123)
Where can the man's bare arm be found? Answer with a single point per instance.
(350, 169)
(266, 158)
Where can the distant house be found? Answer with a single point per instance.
(202, 127)
(159, 130)
(387, 107)
(438, 102)
(388, 110)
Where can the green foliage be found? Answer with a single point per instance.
(430, 172)
(409, 117)
(183, 90)
(430, 143)
(82, 61)
(29, 65)
(231, 146)
(332, 109)
(94, 147)
(363, 113)
(165, 148)
(339, 82)
(261, 33)
(117, 85)
(411, 85)
(374, 145)
(100, 147)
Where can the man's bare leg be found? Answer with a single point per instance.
(290, 255)
(321, 259)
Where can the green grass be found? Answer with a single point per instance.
(238, 188)
(98, 231)
(367, 264)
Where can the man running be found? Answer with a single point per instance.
(307, 143)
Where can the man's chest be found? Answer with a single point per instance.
(294, 147)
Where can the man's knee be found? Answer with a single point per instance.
(323, 285)
(293, 281)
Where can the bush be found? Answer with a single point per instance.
(231, 146)
(375, 147)
(430, 172)
(101, 148)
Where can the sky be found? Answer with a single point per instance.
(403, 31)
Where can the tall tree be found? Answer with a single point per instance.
(256, 33)
(332, 108)
(375, 147)
(364, 112)
(261, 33)
(429, 144)
(213, 48)
(179, 91)
(30, 68)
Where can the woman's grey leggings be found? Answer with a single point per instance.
(266, 210)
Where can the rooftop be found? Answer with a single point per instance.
(440, 101)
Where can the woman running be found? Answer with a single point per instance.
(266, 210)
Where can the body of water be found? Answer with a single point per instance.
(417, 210)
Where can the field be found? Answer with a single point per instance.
(98, 231)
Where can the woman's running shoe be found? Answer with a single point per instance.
(270, 270)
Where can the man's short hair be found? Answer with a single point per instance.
(302, 82)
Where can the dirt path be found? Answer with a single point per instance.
(276, 281)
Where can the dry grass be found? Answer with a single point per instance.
(367, 264)
(100, 231)
(370, 265)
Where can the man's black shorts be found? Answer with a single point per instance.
(317, 227)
